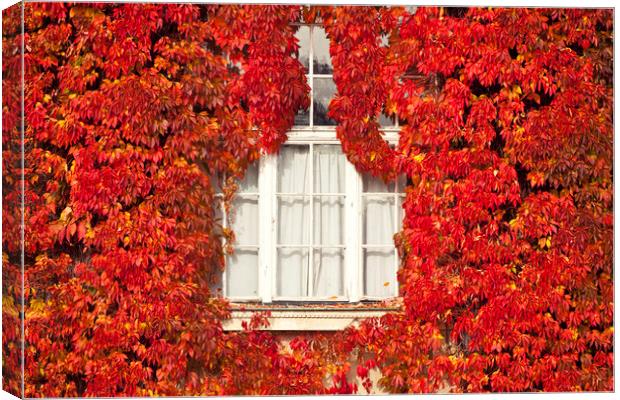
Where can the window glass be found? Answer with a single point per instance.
(292, 272)
(372, 184)
(303, 38)
(242, 273)
(329, 221)
(381, 219)
(294, 169)
(244, 218)
(379, 277)
(385, 40)
(310, 249)
(329, 188)
(379, 216)
(324, 91)
(314, 44)
(294, 220)
(249, 183)
(310, 240)
(242, 266)
(302, 118)
(329, 167)
(321, 62)
(387, 122)
(328, 272)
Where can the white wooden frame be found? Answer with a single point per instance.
(268, 225)
(267, 220)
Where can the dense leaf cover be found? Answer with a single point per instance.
(11, 204)
(135, 113)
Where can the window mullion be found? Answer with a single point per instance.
(311, 226)
(266, 225)
(353, 265)
(310, 76)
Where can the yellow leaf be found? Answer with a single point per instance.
(419, 157)
(542, 242)
(64, 215)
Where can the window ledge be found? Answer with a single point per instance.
(304, 318)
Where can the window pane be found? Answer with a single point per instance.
(293, 220)
(303, 36)
(322, 63)
(387, 122)
(379, 277)
(378, 220)
(323, 91)
(385, 41)
(329, 165)
(242, 273)
(328, 272)
(376, 185)
(294, 169)
(302, 118)
(292, 272)
(245, 220)
(329, 220)
(250, 180)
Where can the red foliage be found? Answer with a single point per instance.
(507, 239)
(363, 75)
(11, 202)
(136, 112)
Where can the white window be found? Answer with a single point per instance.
(314, 45)
(308, 226)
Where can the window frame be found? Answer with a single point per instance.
(353, 273)
(394, 126)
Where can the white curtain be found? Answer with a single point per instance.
(242, 265)
(295, 277)
(378, 231)
(329, 177)
(293, 221)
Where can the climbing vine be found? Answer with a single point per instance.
(135, 114)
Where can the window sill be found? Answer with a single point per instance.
(308, 317)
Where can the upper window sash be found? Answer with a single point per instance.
(314, 56)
